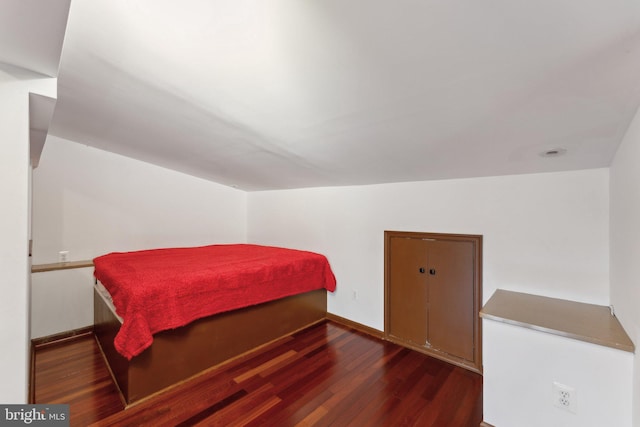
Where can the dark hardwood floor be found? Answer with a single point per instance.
(326, 375)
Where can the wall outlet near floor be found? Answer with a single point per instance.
(354, 295)
(63, 256)
(564, 397)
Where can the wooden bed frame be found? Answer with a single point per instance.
(181, 353)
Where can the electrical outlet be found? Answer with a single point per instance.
(564, 397)
(63, 256)
(354, 295)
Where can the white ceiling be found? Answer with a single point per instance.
(31, 33)
(31, 38)
(297, 93)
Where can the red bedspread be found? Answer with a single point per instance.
(162, 289)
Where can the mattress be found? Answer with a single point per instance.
(161, 289)
(106, 297)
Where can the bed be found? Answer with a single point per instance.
(165, 315)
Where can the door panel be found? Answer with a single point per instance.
(451, 292)
(435, 312)
(408, 297)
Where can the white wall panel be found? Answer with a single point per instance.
(625, 244)
(521, 366)
(15, 85)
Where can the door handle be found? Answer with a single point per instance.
(421, 270)
(432, 271)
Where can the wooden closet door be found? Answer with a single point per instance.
(433, 293)
(451, 292)
(409, 296)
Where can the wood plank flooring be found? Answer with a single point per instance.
(326, 375)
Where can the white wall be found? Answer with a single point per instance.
(91, 202)
(521, 366)
(15, 85)
(61, 301)
(545, 234)
(625, 244)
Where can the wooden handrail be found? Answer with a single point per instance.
(41, 268)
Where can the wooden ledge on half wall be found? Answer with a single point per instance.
(41, 268)
(592, 323)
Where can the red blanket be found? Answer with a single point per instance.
(162, 289)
